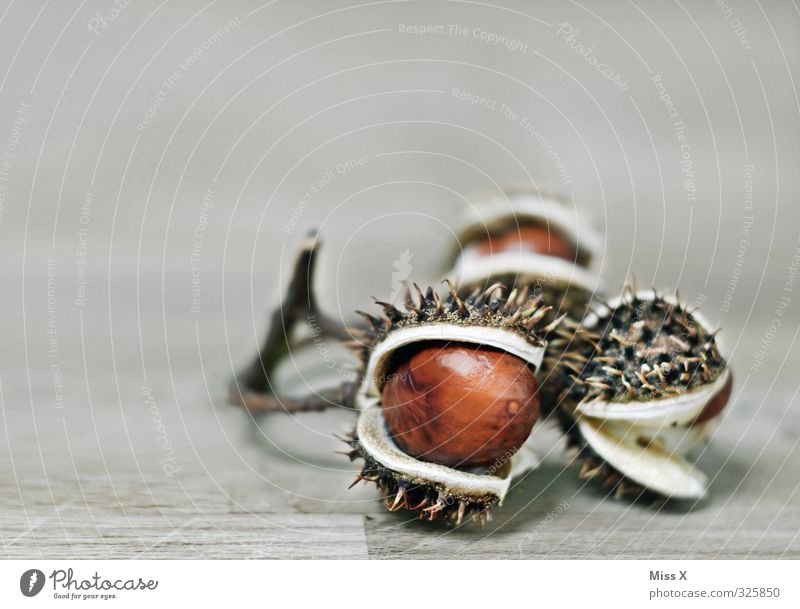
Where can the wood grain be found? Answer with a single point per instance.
(277, 490)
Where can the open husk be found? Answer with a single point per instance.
(432, 490)
(633, 394)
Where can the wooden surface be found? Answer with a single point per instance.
(212, 511)
(122, 194)
(88, 481)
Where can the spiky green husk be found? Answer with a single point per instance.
(429, 501)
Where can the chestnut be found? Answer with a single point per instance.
(536, 238)
(458, 404)
(717, 402)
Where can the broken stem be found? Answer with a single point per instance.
(253, 388)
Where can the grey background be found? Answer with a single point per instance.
(89, 467)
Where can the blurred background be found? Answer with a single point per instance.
(162, 161)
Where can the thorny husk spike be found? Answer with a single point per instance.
(389, 310)
(457, 302)
(511, 300)
(438, 301)
(421, 296)
(554, 324)
(399, 500)
(497, 286)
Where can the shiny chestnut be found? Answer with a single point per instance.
(535, 238)
(459, 404)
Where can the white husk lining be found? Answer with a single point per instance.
(530, 206)
(657, 470)
(472, 268)
(501, 338)
(375, 440)
(674, 410)
(678, 440)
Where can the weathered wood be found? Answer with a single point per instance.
(278, 491)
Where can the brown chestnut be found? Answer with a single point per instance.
(536, 238)
(717, 402)
(459, 404)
